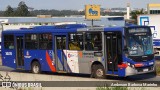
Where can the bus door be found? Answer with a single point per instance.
(60, 59)
(113, 51)
(19, 52)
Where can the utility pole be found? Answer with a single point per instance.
(92, 22)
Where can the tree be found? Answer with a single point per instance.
(22, 9)
(135, 13)
(9, 11)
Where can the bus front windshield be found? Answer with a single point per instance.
(139, 41)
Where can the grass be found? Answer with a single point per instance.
(112, 88)
(121, 88)
(158, 67)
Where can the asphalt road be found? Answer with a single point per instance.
(142, 77)
(48, 76)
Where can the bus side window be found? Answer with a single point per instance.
(76, 41)
(89, 46)
(74, 46)
(97, 41)
(9, 41)
(11, 46)
(64, 43)
(31, 41)
(93, 41)
(45, 41)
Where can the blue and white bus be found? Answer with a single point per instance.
(76, 48)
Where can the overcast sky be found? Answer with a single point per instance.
(75, 4)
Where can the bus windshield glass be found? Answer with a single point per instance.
(139, 41)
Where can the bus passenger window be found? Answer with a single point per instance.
(31, 41)
(64, 43)
(45, 41)
(76, 41)
(74, 46)
(11, 46)
(93, 41)
(8, 41)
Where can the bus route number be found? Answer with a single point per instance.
(8, 53)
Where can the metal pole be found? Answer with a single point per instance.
(1, 25)
(92, 22)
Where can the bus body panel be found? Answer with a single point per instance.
(9, 58)
(81, 61)
(39, 55)
(8, 55)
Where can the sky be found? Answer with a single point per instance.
(75, 4)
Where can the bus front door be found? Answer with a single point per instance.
(19, 52)
(60, 60)
(113, 51)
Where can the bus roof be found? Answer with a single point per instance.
(57, 28)
(64, 29)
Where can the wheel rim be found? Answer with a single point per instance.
(35, 68)
(99, 72)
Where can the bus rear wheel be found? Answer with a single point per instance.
(36, 67)
(98, 71)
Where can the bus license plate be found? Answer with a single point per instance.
(145, 70)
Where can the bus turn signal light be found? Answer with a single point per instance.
(123, 65)
(139, 65)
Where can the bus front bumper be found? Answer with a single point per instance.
(141, 70)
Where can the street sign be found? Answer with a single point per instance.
(92, 12)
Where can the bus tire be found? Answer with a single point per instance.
(98, 71)
(154, 73)
(36, 67)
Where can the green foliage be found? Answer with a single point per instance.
(158, 69)
(9, 11)
(112, 88)
(121, 88)
(22, 10)
(135, 13)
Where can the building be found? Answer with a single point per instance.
(28, 22)
(153, 8)
(80, 10)
(30, 9)
(124, 10)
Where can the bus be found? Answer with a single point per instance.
(77, 48)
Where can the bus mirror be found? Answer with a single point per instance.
(156, 53)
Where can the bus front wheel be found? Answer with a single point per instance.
(98, 71)
(36, 67)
